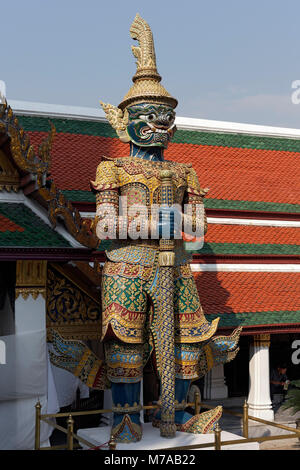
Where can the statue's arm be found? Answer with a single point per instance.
(194, 196)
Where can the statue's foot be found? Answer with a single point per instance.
(127, 431)
(202, 423)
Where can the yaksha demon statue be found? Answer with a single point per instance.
(150, 304)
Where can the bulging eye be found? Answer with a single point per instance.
(170, 117)
(147, 117)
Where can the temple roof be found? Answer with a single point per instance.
(21, 227)
(253, 207)
(251, 299)
(245, 172)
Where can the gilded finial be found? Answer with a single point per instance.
(145, 52)
(146, 87)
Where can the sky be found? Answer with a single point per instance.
(230, 60)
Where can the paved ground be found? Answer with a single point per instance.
(234, 424)
(286, 444)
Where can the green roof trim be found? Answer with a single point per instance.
(250, 205)
(227, 204)
(256, 318)
(69, 126)
(79, 195)
(96, 128)
(248, 249)
(234, 249)
(37, 233)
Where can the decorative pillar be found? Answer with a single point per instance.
(30, 305)
(27, 382)
(214, 384)
(259, 399)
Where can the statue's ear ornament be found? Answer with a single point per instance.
(118, 119)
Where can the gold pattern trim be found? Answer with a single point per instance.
(25, 292)
(262, 340)
(86, 331)
(135, 408)
(31, 273)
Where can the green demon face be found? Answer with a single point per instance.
(151, 125)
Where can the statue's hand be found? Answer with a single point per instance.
(170, 222)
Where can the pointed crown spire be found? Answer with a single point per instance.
(146, 81)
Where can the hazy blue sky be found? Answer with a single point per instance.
(231, 60)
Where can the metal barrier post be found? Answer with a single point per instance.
(245, 420)
(197, 403)
(70, 424)
(112, 443)
(37, 439)
(217, 437)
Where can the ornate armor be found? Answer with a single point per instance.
(133, 291)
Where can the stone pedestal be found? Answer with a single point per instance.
(259, 399)
(29, 359)
(153, 441)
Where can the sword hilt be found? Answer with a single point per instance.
(166, 318)
(166, 246)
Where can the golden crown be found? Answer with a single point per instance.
(146, 81)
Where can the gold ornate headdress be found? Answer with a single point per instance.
(146, 86)
(146, 81)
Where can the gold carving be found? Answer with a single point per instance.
(9, 177)
(31, 273)
(71, 311)
(31, 278)
(262, 340)
(25, 292)
(23, 153)
(59, 207)
(79, 331)
(166, 258)
(117, 119)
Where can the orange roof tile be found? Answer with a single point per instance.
(7, 225)
(244, 174)
(238, 292)
(227, 233)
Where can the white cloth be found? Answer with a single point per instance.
(25, 373)
(17, 424)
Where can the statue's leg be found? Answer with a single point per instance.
(124, 370)
(187, 370)
(124, 313)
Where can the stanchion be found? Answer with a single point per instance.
(245, 420)
(112, 443)
(37, 440)
(70, 425)
(197, 403)
(217, 437)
